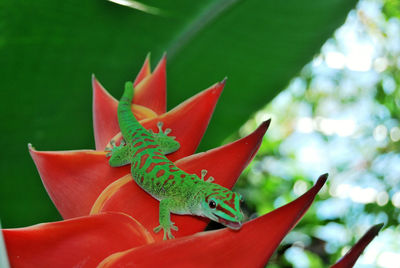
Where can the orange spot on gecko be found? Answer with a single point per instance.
(138, 144)
(160, 173)
(173, 168)
(143, 160)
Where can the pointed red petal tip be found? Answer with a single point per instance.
(79, 242)
(266, 123)
(74, 179)
(352, 255)
(257, 240)
(223, 82)
(151, 92)
(144, 71)
(105, 123)
(321, 180)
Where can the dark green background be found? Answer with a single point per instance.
(49, 49)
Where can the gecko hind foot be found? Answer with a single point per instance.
(167, 144)
(166, 131)
(119, 155)
(114, 148)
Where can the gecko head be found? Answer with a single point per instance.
(223, 206)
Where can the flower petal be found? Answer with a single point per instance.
(189, 120)
(74, 179)
(79, 242)
(227, 162)
(124, 195)
(151, 92)
(144, 71)
(352, 255)
(105, 121)
(256, 240)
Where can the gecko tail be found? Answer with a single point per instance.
(126, 119)
(128, 93)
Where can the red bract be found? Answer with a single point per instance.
(115, 214)
(75, 179)
(79, 242)
(151, 88)
(251, 246)
(188, 120)
(352, 255)
(82, 182)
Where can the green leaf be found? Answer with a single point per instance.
(258, 45)
(49, 49)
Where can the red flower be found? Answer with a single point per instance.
(108, 217)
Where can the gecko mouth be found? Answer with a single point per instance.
(230, 224)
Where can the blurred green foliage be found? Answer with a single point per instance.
(362, 158)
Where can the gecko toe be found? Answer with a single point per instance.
(157, 229)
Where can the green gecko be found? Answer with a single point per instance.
(177, 191)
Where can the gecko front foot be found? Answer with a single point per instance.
(114, 148)
(119, 154)
(167, 144)
(167, 230)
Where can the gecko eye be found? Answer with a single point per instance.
(212, 204)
